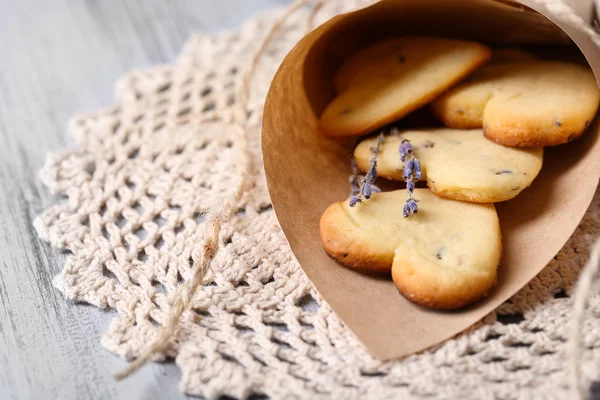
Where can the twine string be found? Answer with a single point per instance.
(224, 209)
(589, 275)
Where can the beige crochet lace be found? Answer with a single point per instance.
(135, 190)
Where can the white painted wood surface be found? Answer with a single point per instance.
(58, 58)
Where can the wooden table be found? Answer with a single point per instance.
(58, 58)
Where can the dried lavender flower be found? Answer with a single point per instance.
(412, 172)
(373, 169)
(410, 207)
(405, 150)
(364, 187)
(408, 169)
(412, 204)
(367, 190)
(406, 210)
(417, 168)
(410, 187)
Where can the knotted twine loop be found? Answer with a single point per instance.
(589, 276)
(225, 208)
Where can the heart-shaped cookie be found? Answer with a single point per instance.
(458, 164)
(446, 256)
(543, 103)
(389, 79)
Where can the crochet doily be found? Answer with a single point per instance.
(134, 192)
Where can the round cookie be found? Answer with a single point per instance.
(458, 164)
(392, 78)
(543, 103)
(444, 257)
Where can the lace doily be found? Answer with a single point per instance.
(135, 190)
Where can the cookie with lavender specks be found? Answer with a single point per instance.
(458, 164)
(533, 104)
(389, 79)
(444, 257)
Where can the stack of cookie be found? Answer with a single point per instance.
(499, 107)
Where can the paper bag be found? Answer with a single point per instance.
(307, 172)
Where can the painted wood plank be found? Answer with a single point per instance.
(58, 58)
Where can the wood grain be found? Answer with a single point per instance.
(59, 58)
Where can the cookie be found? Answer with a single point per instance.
(458, 164)
(445, 257)
(509, 55)
(389, 79)
(543, 103)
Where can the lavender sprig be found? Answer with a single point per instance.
(355, 178)
(363, 187)
(412, 173)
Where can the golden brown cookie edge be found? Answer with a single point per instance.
(348, 253)
(484, 56)
(450, 299)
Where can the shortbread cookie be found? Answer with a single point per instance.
(458, 164)
(542, 103)
(446, 256)
(509, 55)
(389, 79)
